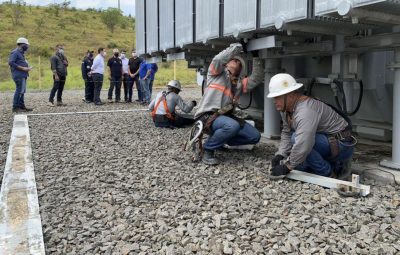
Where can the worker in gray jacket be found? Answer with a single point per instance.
(315, 138)
(225, 85)
(163, 107)
(59, 64)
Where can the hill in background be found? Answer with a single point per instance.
(78, 30)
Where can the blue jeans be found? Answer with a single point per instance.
(144, 85)
(151, 87)
(319, 160)
(20, 89)
(226, 130)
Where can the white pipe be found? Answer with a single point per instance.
(271, 115)
(396, 111)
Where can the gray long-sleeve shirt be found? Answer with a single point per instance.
(309, 117)
(173, 100)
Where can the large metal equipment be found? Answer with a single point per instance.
(324, 41)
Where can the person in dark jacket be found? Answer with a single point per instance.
(20, 71)
(59, 64)
(133, 70)
(115, 76)
(87, 77)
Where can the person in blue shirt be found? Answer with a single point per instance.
(20, 71)
(144, 80)
(154, 68)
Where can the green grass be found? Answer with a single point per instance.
(79, 31)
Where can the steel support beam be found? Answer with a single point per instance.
(353, 186)
(271, 115)
(263, 43)
(395, 162)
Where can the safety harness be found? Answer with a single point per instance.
(163, 99)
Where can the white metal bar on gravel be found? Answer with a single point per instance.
(20, 222)
(332, 183)
(92, 112)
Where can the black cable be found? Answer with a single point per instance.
(360, 96)
(248, 106)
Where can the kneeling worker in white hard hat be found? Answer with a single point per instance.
(315, 138)
(225, 84)
(163, 107)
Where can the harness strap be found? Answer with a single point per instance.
(163, 99)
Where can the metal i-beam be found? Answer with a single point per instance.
(353, 186)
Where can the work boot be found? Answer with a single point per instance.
(344, 173)
(60, 103)
(51, 104)
(25, 109)
(209, 158)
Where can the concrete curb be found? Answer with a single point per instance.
(20, 222)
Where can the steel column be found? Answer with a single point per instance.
(395, 162)
(271, 115)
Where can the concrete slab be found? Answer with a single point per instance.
(20, 222)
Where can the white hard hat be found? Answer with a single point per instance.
(22, 40)
(174, 84)
(281, 84)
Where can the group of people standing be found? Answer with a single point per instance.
(121, 71)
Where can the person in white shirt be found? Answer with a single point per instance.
(98, 74)
(125, 77)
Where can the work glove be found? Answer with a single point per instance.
(276, 160)
(280, 170)
(194, 103)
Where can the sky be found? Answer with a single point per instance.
(127, 6)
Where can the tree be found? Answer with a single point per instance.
(17, 11)
(111, 17)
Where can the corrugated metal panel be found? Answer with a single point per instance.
(239, 16)
(140, 35)
(328, 6)
(272, 10)
(207, 20)
(166, 24)
(151, 26)
(184, 22)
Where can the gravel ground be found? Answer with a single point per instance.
(115, 184)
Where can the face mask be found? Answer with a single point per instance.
(91, 55)
(61, 51)
(122, 55)
(25, 47)
(116, 54)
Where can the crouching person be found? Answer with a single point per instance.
(315, 138)
(225, 84)
(163, 107)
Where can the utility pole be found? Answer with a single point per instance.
(119, 5)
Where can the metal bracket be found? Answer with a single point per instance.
(353, 186)
(393, 66)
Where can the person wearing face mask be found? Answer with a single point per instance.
(225, 84)
(59, 64)
(134, 64)
(125, 77)
(98, 75)
(87, 77)
(20, 71)
(115, 76)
